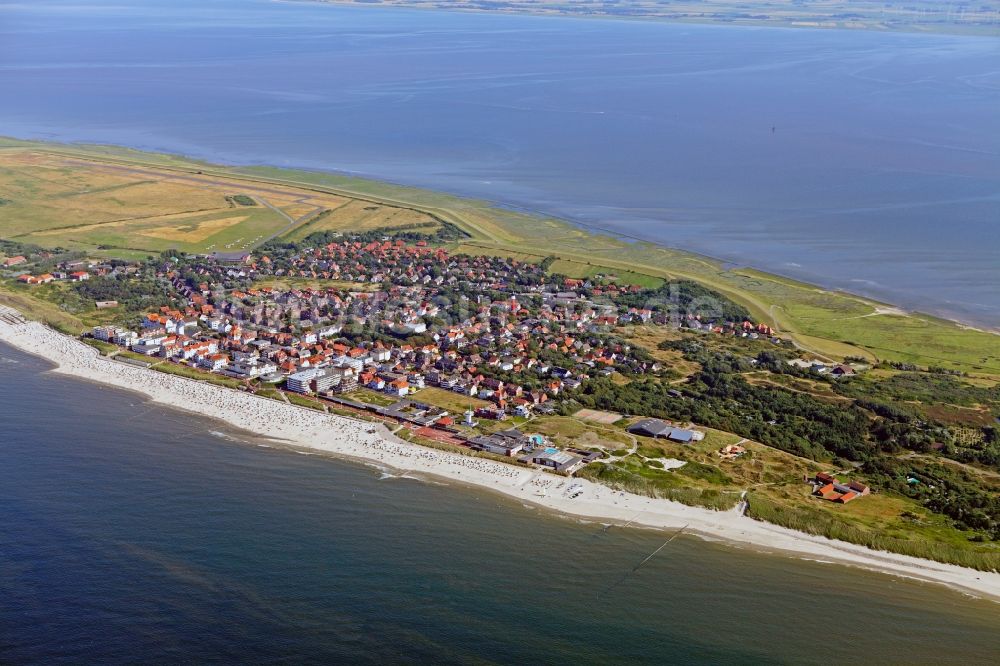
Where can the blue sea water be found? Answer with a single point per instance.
(862, 160)
(131, 533)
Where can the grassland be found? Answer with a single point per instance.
(38, 309)
(57, 199)
(359, 215)
(455, 403)
(650, 338)
(882, 522)
(56, 303)
(572, 432)
(105, 348)
(581, 270)
(825, 323)
(194, 373)
(704, 479)
(817, 389)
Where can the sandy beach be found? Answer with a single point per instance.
(374, 444)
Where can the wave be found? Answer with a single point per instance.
(218, 434)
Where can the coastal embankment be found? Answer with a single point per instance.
(301, 428)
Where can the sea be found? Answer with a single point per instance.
(134, 533)
(859, 160)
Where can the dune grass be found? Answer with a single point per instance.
(631, 476)
(105, 348)
(917, 542)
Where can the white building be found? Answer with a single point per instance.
(301, 382)
(355, 363)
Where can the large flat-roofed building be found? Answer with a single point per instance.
(505, 443)
(658, 429)
(651, 428)
(301, 382)
(560, 461)
(326, 380)
(347, 384)
(681, 435)
(355, 363)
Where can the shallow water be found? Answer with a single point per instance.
(134, 533)
(861, 160)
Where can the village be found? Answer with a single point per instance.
(370, 324)
(461, 351)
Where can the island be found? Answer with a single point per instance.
(590, 374)
(980, 18)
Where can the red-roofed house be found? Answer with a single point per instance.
(398, 387)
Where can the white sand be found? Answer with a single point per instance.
(360, 440)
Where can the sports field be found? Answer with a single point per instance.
(597, 416)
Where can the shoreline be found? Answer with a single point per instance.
(236, 169)
(306, 430)
(824, 23)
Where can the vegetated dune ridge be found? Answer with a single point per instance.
(342, 437)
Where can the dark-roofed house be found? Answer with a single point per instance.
(680, 435)
(658, 429)
(504, 443)
(651, 428)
